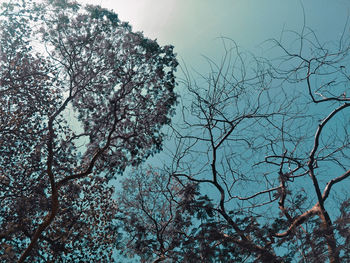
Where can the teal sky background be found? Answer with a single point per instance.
(193, 26)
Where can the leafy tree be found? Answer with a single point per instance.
(159, 216)
(154, 220)
(59, 59)
(268, 141)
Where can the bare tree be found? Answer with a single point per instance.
(268, 141)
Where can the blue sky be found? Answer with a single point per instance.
(193, 26)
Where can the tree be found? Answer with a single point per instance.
(159, 219)
(152, 209)
(268, 141)
(58, 59)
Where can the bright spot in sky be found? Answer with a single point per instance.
(149, 16)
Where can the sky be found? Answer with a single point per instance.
(195, 26)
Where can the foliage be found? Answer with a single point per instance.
(154, 221)
(59, 59)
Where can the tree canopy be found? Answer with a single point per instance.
(257, 167)
(60, 59)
